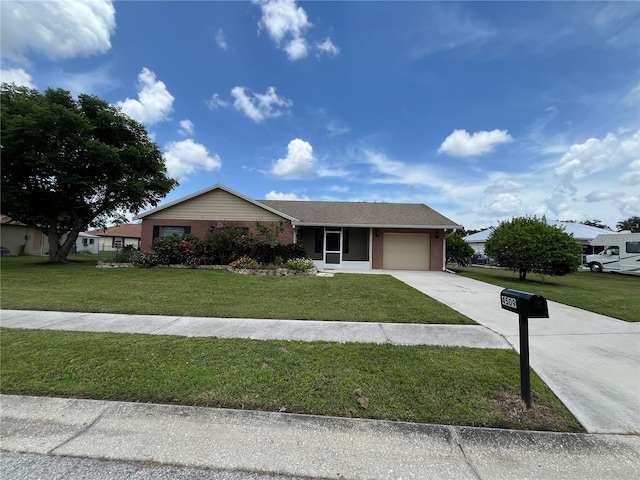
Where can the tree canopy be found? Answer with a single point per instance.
(71, 164)
(458, 250)
(526, 244)
(596, 223)
(631, 223)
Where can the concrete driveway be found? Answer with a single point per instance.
(590, 361)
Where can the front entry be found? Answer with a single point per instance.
(333, 248)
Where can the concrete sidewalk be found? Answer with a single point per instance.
(303, 446)
(590, 361)
(474, 336)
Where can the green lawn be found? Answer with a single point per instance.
(609, 294)
(28, 284)
(458, 386)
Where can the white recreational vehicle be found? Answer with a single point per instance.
(621, 253)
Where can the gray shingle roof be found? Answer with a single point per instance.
(362, 214)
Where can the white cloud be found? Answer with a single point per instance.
(273, 195)
(504, 204)
(298, 162)
(503, 185)
(58, 29)
(186, 127)
(595, 155)
(461, 144)
(285, 23)
(215, 102)
(16, 75)
(328, 47)
(632, 97)
(599, 196)
(186, 156)
(221, 40)
(633, 176)
(155, 102)
(258, 106)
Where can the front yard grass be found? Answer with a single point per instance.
(28, 284)
(452, 385)
(608, 294)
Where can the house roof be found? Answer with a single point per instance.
(339, 214)
(126, 230)
(578, 230)
(362, 214)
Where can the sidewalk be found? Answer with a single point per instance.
(304, 446)
(590, 361)
(474, 336)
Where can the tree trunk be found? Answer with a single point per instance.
(58, 253)
(523, 274)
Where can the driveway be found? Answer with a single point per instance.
(590, 361)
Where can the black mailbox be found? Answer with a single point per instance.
(528, 304)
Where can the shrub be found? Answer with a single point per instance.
(180, 249)
(226, 243)
(144, 259)
(300, 264)
(245, 262)
(125, 255)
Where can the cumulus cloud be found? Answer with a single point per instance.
(216, 102)
(154, 102)
(258, 106)
(16, 75)
(57, 29)
(273, 195)
(186, 127)
(186, 156)
(600, 196)
(287, 24)
(632, 177)
(298, 162)
(221, 40)
(504, 185)
(328, 47)
(461, 144)
(597, 154)
(504, 203)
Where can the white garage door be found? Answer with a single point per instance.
(406, 251)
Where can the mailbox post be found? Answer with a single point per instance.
(526, 305)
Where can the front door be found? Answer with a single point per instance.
(333, 248)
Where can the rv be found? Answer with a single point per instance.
(621, 253)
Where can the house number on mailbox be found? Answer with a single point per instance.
(508, 302)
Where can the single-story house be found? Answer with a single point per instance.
(22, 239)
(346, 235)
(114, 238)
(582, 233)
(86, 243)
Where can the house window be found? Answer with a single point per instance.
(166, 230)
(84, 241)
(91, 241)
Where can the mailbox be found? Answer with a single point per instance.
(528, 304)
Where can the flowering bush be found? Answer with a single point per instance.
(300, 264)
(144, 259)
(225, 243)
(180, 249)
(245, 262)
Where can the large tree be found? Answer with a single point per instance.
(71, 164)
(631, 223)
(458, 250)
(526, 244)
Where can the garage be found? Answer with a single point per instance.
(406, 251)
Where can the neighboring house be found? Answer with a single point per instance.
(582, 233)
(21, 239)
(86, 243)
(114, 238)
(347, 235)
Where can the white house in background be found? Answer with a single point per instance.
(87, 243)
(582, 233)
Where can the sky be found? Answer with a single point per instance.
(481, 110)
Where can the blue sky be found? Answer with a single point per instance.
(481, 110)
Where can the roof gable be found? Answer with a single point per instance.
(216, 203)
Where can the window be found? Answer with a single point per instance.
(84, 241)
(633, 247)
(92, 241)
(166, 230)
